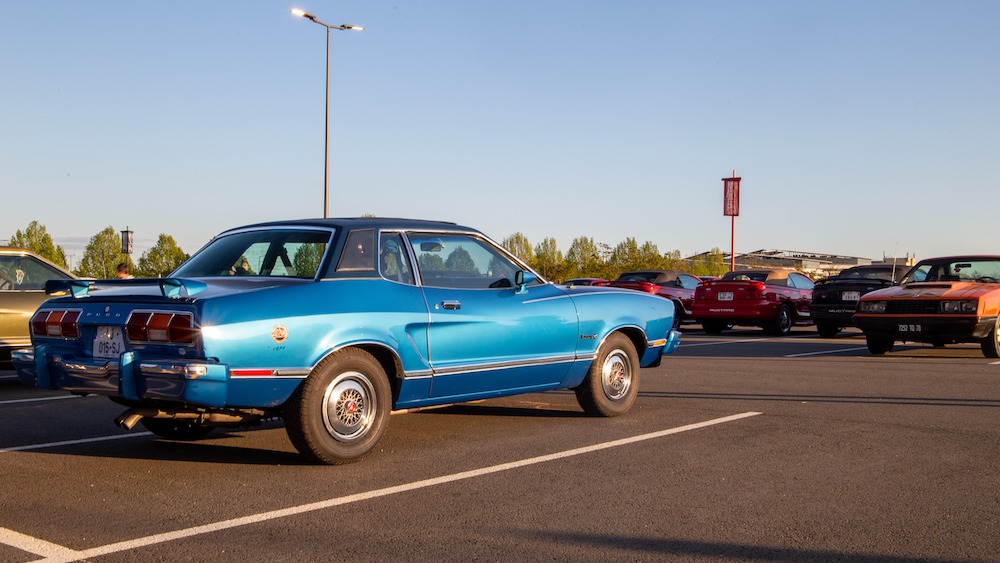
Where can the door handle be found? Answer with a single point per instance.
(452, 305)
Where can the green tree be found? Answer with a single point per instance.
(711, 264)
(583, 259)
(102, 256)
(37, 240)
(549, 260)
(430, 262)
(461, 261)
(306, 259)
(161, 259)
(626, 257)
(518, 245)
(650, 257)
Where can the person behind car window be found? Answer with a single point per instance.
(241, 268)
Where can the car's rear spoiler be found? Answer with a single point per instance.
(169, 287)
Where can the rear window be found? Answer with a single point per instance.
(269, 253)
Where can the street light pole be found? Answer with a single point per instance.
(326, 135)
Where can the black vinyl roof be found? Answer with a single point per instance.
(350, 223)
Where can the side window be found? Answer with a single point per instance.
(688, 282)
(393, 261)
(461, 261)
(359, 252)
(22, 273)
(800, 281)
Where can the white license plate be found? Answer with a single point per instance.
(108, 342)
(850, 295)
(725, 296)
(911, 329)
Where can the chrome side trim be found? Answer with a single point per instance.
(504, 365)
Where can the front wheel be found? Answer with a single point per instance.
(678, 315)
(827, 330)
(612, 384)
(341, 410)
(991, 344)
(879, 344)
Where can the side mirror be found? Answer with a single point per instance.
(521, 280)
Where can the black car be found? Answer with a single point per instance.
(835, 298)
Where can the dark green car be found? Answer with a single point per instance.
(22, 289)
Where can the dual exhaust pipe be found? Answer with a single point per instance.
(131, 417)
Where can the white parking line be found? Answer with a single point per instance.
(54, 553)
(826, 352)
(60, 397)
(32, 545)
(718, 342)
(74, 442)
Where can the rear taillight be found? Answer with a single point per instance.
(756, 290)
(649, 287)
(161, 327)
(56, 323)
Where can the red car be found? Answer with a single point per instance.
(586, 281)
(774, 299)
(671, 284)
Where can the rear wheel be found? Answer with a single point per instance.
(991, 344)
(781, 324)
(175, 428)
(713, 327)
(879, 344)
(827, 330)
(341, 410)
(612, 384)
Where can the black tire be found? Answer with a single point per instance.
(827, 330)
(991, 344)
(341, 410)
(176, 428)
(713, 327)
(879, 344)
(678, 315)
(781, 324)
(612, 384)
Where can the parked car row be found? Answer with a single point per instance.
(938, 301)
(334, 323)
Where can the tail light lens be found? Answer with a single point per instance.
(756, 290)
(56, 323)
(649, 287)
(161, 327)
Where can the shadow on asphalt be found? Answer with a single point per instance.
(921, 401)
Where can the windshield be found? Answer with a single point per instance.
(283, 253)
(869, 274)
(983, 270)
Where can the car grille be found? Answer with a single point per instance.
(912, 307)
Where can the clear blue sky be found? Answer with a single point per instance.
(859, 127)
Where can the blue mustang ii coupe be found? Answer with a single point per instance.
(332, 323)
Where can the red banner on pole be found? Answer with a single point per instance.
(731, 197)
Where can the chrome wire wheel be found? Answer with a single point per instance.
(612, 382)
(616, 374)
(349, 406)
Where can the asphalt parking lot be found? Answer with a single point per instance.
(741, 447)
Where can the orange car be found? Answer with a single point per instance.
(940, 301)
